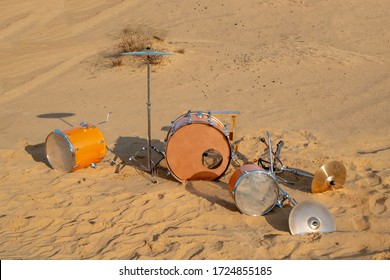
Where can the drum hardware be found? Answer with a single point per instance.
(210, 121)
(279, 148)
(118, 166)
(233, 115)
(151, 166)
(104, 121)
(86, 125)
(189, 120)
(305, 217)
(235, 161)
(283, 194)
(330, 176)
(231, 134)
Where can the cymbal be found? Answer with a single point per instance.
(310, 217)
(147, 52)
(330, 176)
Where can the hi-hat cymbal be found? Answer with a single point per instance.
(331, 175)
(310, 217)
(147, 52)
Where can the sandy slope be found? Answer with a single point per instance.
(313, 73)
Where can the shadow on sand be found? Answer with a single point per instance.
(38, 153)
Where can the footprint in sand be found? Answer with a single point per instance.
(269, 240)
(377, 203)
(370, 180)
(361, 223)
(217, 246)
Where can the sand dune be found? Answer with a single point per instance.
(315, 74)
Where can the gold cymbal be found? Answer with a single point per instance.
(310, 217)
(330, 176)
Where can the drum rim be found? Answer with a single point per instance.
(247, 173)
(194, 113)
(71, 148)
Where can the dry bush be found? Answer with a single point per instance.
(134, 40)
(138, 39)
(181, 51)
(117, 61)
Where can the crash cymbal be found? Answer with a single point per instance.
(330, 176)
(147, 52)
(310, 217)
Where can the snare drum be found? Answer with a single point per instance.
(254, 191)
(75, 148)
(197, 147)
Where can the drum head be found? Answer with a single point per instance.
(198, 151)
(58, 152)
(255, 193)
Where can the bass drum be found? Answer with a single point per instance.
(197, 147)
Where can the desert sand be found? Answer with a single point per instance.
(315, 74)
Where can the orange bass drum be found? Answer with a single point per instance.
(197, 147)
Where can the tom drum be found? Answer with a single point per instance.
(254, 191)
(72, 149)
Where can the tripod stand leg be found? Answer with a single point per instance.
(150, 166)
(153, 172)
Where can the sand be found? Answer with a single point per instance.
(315, 74)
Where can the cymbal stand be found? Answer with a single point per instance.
(280, 167)
(283, 195)
(151, 166)
(330, 176)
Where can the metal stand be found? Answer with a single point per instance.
(331, 175)
(277, 166)
(151, 166)
(283, 195)
(306, 217)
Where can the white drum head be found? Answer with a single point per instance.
(255, 193)
(58, 152)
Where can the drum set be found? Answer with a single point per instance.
(198, 147)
